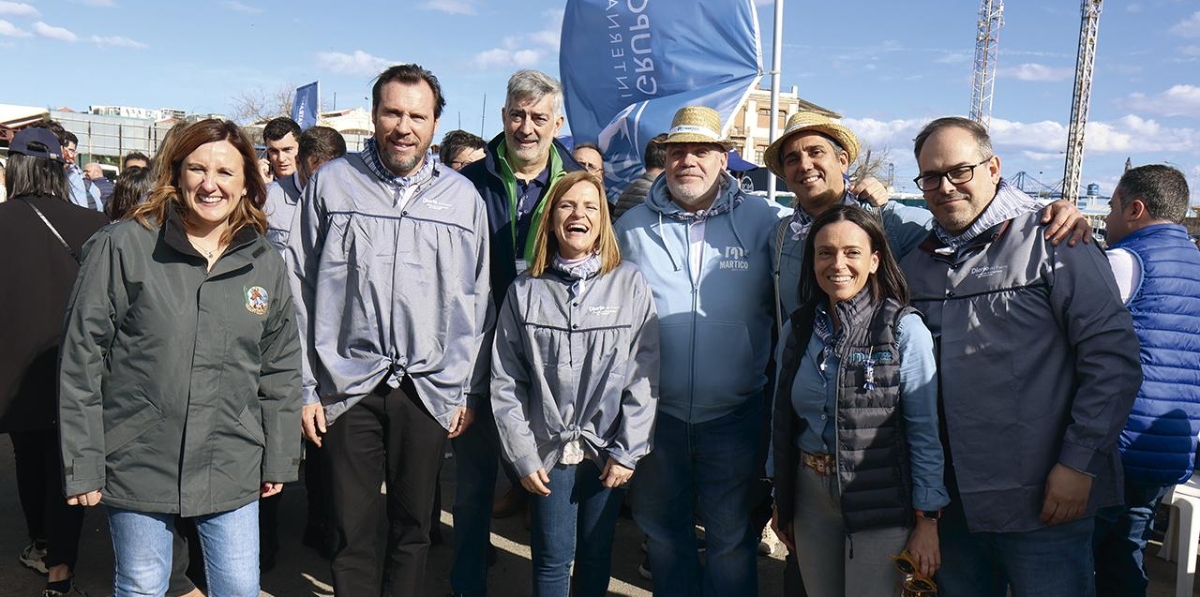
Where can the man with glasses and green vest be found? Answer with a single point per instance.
(520, 167)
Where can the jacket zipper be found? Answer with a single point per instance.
(837, 449)
(695, 307)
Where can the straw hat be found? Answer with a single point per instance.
(810, 122)
(697, 124)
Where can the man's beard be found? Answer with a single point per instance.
(686, 198)
(401, 165)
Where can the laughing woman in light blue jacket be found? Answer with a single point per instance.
(575, 386)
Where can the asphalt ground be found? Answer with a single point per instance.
(300, 572)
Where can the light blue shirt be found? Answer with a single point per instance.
(814, 397)
(80, 192)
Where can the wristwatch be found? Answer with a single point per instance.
(933, 516)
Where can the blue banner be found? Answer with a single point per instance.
(628, 65)
(306, 106)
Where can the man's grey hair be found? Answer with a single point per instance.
(533, 85)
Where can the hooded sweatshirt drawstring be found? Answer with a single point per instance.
(670, 253)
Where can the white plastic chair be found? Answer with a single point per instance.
(1183, 533)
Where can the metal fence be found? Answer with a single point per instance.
(107, 138)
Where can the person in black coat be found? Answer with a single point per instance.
(41, 236)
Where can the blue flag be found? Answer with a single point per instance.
(306, 106)
(628, 66)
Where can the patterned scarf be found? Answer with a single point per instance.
(578, 270)
(370, 155)
(1008, 204)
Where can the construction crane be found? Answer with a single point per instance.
(987, 39)
(1085, 62)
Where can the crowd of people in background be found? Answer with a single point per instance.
(971, 399)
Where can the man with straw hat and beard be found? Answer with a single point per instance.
(703, 246)
(813, 156)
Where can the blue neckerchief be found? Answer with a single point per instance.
(823, 329)
(370, 155)
(1008, 204)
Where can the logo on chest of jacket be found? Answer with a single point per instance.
(256, 299)
(435, 205)
(878, 357)
(988, 271)
(602, 311)
(735, 259)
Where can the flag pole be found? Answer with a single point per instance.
(776, 58)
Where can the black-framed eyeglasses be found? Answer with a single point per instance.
(959, 175)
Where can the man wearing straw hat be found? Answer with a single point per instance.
(813, 157)
(703, 246)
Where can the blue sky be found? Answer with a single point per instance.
(887, 66)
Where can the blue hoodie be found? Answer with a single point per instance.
(716, 330)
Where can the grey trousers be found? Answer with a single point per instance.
(823, 551)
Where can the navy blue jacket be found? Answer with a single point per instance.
(1158, 444)
(489, 181)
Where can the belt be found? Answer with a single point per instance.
(821, 464)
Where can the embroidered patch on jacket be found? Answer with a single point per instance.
(256, 299)
(878, 357)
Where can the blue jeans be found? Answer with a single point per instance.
(577, 522)
(1120, 538)
(713, 465)
(1054, 561)
(142, 549)
(476, 455)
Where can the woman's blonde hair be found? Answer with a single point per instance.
(167, 195)
(545, 245)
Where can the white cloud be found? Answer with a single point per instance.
(1039, 156)
(116, 41)
(1192, 50)
(453, 7)
(886, 133)
(102, 3)
(1134, 8)
(236, 6)
(955, 58)
(9, 30)
(1179, 100)
(513, 51)
(53, 32)
(501, 57)
(1127, 134)
(1124, 135)
(1189, 27)
(17, 9)
(358, 63)
(1036, 72)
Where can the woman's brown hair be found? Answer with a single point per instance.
(166, 194)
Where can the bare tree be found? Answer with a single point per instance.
(873, 162)
(257, 105)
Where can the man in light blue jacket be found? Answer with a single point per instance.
(703, 246)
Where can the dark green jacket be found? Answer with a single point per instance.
(179, 388)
